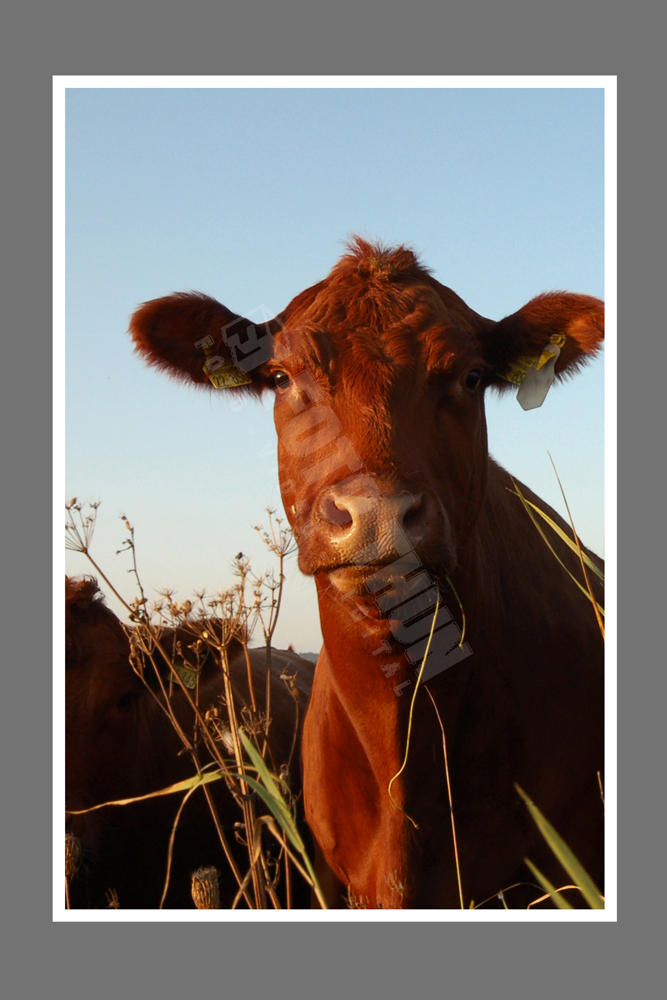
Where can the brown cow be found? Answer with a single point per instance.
(121, 744)
(402, 518)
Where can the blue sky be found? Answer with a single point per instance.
(248, 194)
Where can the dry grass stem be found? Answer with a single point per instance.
(449, 795)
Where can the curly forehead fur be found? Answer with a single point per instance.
(382, 305)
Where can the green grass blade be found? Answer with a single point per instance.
(269, 792)
(579, 547)
(546, 541)
(270, 823)
(566, 538)
(572, 866)
(265, 776)
(558, 900)
(278, 810)
(180, 786)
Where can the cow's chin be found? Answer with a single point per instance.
(351, 579)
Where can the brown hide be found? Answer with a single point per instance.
(380, 373)
(120, 744)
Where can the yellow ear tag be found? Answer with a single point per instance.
(222, 374)
(537, 381)
(517, 373)
(187, 675)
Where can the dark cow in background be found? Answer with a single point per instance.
(120, 744)
(407, 525)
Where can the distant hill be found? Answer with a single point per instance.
(313, 657)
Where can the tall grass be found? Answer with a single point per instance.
(264, 799)
(267, 824)
(581, 880)
(580, 877)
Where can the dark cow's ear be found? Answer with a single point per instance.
(179, 650)
(574, 323)
(196, 339)
(193, 651)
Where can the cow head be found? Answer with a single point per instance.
(379, 374)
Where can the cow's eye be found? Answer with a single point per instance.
(473, 378)
(124, 703)
(280, 379)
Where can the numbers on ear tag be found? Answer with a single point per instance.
(518, 371)
(226, 376)
(187, 675)
(222, 374)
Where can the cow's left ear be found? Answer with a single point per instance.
(194, 654)
(574, 323)
(192, 659)
(198, 340)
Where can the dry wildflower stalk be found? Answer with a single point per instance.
(213, 624)
(280, 541)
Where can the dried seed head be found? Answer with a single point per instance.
(72, 855)
(205, 891)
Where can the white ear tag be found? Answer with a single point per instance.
(537, 382)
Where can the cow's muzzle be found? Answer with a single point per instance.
(355, 527)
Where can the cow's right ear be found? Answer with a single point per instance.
(575, 323)
(197, 340)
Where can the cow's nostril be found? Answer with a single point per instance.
(413, 508)
(335, 514)
(411, 514)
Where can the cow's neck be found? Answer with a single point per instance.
(357, 726)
